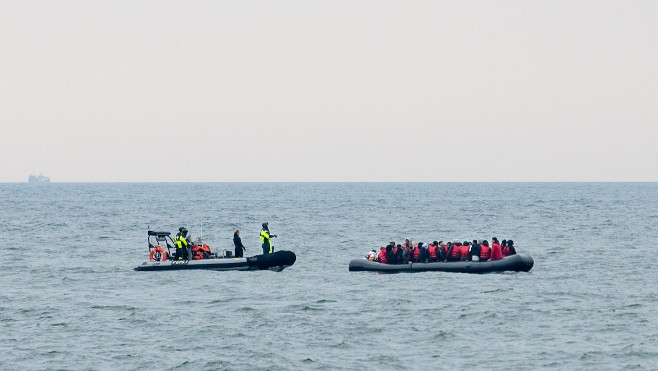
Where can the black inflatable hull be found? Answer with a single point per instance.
(514, 263)
(277, 261)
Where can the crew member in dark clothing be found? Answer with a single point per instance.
(180, 240)
(265, 239)
(239, 247)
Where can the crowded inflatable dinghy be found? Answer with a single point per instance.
(162, 259)
(462, 257)
(514, 263)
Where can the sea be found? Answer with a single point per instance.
(70, 299)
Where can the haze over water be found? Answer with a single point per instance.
(71, 300)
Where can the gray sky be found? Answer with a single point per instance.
(329, 90)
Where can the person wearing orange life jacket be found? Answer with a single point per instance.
(416, 253)
(464, 251)
(509, 249)
(496, 252)
(433, 252)
(455, 254)
(200, 252)
(474, 251)
(383, 258)
(485, 251)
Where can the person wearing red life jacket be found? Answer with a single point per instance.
(456, 253)
(474, 251)
(200, 252)
(433, 252)
(416, 253)
(485, 251)
(383, 258)
(503, 246)
(464, 251)
(389, 254)
(509, 248)
(496, 252)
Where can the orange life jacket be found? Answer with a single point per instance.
(485, 252)
(382, 256)
(496, 253)
(456, 252)
(432, 251)
(464, 252)
(416, 254)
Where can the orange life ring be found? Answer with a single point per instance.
(160, 250)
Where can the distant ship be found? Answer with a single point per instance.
(38, 179)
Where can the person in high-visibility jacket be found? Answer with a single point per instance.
(180, 240)
(265, 239)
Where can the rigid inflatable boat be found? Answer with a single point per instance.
(514, 263)
(277, 261)
(203, 258)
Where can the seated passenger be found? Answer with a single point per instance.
(399, 254)
(442, 251)
(474, 251)
(503, 246)
(447, 250)
(485, 251)
(433, 252)
(372, 255)
(464, 251)
(406, 254)
(509, 249)
(416, 253)
(390, 258)
(454, 252)
(393, 257)
(383, 257)
(424, 253)
(496, 252)
(200, 252)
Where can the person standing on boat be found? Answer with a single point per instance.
(265, 239)
(239, 247)
(180, 240)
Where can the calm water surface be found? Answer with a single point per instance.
(69, 298)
